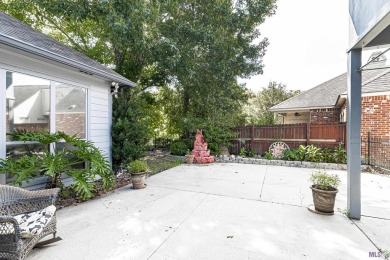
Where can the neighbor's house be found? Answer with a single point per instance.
(47, 85)
(326, 103)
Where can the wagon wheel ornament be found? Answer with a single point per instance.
(277, 149)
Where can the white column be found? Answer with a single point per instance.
(354, 130)
(2, 119)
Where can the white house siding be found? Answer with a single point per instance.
(100, 118)
(290, 118)
(99, 98)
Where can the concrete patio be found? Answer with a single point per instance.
(223, 211)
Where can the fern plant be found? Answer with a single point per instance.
(53, 163)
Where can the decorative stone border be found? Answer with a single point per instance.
(239, 159)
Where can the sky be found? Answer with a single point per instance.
(308, 41)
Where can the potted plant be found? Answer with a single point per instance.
(138, 170)
(324, 188)
(189, 157)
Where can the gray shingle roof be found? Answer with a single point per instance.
(378, 83)
(325, 95)
(19, 35)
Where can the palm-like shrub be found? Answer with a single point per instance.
(53, 163)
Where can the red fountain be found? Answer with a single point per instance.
(202, 155)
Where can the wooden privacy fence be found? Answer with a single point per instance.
(259, 138)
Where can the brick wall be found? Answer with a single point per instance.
(376, 120)
(376, 116)
(72, 123)
(324, 116)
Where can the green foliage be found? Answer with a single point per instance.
(76, 151)
(291, 154)
(340, 155)
(192, 52)
(268, 155)
(214, 134)
(163, 142)
(178, 147)
(130, 131)
(324, 181)
(188, 152)
(257, 109)
(312, 153)
(248, 153)
(137, 166)
(328, 155)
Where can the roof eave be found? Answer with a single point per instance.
(297, 108)
(63, 60)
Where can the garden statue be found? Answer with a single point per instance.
(202, 155)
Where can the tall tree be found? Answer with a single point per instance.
(259, 103)
(196, 48)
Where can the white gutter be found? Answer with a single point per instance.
(297, 108)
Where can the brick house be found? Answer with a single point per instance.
(45, 85)
(326, 103)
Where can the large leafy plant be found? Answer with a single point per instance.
(53, 162)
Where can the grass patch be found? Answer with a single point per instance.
(161, 163)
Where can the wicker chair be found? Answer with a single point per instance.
(14, 201)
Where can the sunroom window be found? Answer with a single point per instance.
(29, 107)
(71, 103)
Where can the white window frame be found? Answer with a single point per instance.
(3, 141)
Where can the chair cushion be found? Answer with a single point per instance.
(32, 223)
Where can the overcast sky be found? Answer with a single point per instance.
(308, 42)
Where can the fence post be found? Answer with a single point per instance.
(368, 148)
(307, 133)
(253, 138)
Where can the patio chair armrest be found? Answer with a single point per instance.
(9, 234)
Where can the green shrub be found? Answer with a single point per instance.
(291, 154)
(178, 147)
(162, 142)
(242, 152)
(340, 155)
(313, 154)
(301, 153)
(53, 163)
(324, 181)
(130, 131)
(268, 155)
(328, 155)
(250, 153)
(137, 166)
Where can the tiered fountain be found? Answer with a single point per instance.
(202, 155)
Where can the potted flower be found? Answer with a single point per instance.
(138, 170)
(324, 188)
(189, 157)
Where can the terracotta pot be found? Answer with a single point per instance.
(324, 200)
(138, 180)
(190, 158)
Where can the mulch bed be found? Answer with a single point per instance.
(157, 161)
(121, 180)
